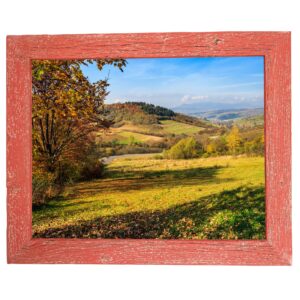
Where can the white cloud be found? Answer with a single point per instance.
(116, 100)
(185, 99)
(199, 97)
(195, 98)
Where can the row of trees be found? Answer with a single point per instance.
(232, 143)
(149, 114)
(66, 111)
(236, 142)
(154, 109)
(121, 112)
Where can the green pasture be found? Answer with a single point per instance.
(146, 197)
(175, 127)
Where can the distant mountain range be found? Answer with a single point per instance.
(220, 112)
(225, 115)
(199, 107)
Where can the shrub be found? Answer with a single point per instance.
(67, 172)
(91, 165)
(210, 148)
(43, 186)
(92, 170)
(184, 149)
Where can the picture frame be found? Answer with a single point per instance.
(275, 250)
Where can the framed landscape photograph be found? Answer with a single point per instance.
(166, 148)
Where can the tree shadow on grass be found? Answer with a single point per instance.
(139, 180)
(56, 204)
(203, 172)
(233, 214)
(163, 179)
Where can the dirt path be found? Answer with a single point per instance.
(109, 159)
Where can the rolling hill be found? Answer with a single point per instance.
(139, 127)
(229, 115)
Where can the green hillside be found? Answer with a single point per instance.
(139, 127)
(175, 127)
(252, 121)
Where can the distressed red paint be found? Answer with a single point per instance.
(275, 250)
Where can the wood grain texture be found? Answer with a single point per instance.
(275, 250)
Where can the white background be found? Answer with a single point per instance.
(150, 282)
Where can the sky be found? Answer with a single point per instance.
(173, 82)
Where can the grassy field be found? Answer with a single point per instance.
(251, 121)
(164, 128)
(150, 129)
(129, 133)
(127, 137)
(211, 198)
(174, 127)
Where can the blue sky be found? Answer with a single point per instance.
(172, 82)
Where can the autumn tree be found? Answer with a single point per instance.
(211, 148)
(184, 149)
(66, 107)
(233, 139)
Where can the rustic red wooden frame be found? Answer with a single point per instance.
(275, 250)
